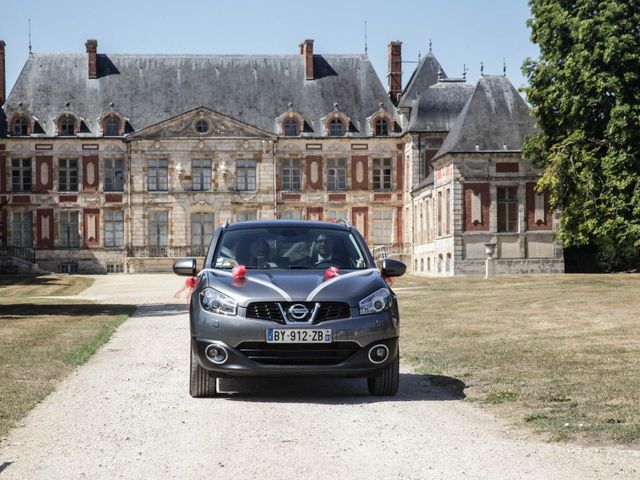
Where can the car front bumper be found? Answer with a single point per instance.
(244, 340)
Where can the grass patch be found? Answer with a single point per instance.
(43, 339)
(557, 353)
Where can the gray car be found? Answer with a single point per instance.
(278, 298)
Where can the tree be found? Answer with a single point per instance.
(585, 96)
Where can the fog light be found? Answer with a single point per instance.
(378, 353)
(216, 354)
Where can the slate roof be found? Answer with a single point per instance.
(425, 75)
(147, 89)
(436, 109)
(495, 116)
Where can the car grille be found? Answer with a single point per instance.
(298, 354)
(272, 311)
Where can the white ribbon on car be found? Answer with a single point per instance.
(250, 279)
(337, 278)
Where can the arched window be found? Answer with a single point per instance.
(336, 128)
(67, 125)
(290, 128)
(381, 127)
(111, 126)
(20, 126)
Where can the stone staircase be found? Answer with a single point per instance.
(16, 260)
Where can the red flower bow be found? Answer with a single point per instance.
(331, 272)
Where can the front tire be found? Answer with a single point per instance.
(203, 383)
(385, 383)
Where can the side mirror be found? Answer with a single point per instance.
(185, 267)
(392, 268)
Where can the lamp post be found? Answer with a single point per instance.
(490, 267)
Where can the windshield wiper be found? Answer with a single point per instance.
(301, 266)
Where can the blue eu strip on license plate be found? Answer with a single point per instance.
(299, 335)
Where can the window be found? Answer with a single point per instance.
(114, 175)
(201, 175)
(333, 214)
(202, 126)
(115, 268)
(20, 126)
(381, 127)
(447, 211)
(507, 209)
(21, 174)
(291, 173)
(113, 228)
(382, 226)
(246, 175)
(158, 176)
(21, 229)
(336, 128)
(382, 174)
(68, 175)
(336, 174)
(202, 225)
(111, 126)
(290, 128)
(158, 234)
(246, 215)
(290, 215)
(68, 234)
(439, 206)
(67, 126)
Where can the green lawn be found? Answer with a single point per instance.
(559, 354)
(43, 339)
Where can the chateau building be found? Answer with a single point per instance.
(113, 162)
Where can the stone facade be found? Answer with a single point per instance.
(95, 179)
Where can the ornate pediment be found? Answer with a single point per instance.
(201, 123)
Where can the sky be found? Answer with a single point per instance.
(464, 32)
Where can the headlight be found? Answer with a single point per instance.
(378, 301)
(214, 301)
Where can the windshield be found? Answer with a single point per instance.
(289, 247)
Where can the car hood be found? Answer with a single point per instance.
(295, 285)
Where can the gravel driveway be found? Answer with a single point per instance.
(127, 414)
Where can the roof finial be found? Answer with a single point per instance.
(464, 71)
(419, 55)
(481, 68)
(430, 45)
(365, 37)
(504, 67)
(30, 37)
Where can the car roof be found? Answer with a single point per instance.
(286, 223)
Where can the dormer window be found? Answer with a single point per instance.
(111, 126)
(290, 123)
(67, 125)
(20, 126)
(291, 128)
(381, 127)
(336, 128)
(380, 123)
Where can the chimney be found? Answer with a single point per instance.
(306, 49)
(3, 81)
(395, 71)
(92, 53)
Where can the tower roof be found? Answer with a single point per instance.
(495, 118)
(438, 107)
(425, 75)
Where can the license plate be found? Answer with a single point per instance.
(299, 335)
